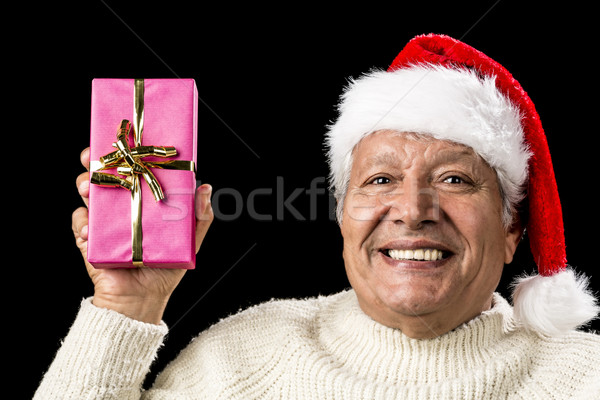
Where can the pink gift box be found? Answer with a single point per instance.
(168, 226)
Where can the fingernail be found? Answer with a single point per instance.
(84, 232)
(208, 195)
(203, 192)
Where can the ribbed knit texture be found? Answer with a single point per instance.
(105, 356)
(324, 348)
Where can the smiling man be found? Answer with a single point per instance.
(431, 162)
(424, 243)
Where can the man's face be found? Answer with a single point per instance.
(422, 229)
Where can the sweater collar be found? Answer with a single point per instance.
(380, 353)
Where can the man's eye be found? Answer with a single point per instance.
(380, 180)
(454, 180)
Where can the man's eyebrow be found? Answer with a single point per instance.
(457, 153)
(386, 158)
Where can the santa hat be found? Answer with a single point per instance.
(442, 87)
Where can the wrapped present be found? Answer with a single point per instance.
(143, 137)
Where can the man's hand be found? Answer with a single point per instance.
(139, 293)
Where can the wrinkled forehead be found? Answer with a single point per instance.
(395, 148)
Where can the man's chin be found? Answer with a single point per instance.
(414, 300)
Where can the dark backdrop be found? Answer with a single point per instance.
(268, 78)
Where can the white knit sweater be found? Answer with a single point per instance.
(322, 348)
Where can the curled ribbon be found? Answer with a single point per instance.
(129, 162)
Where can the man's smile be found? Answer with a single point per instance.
(419, 250)
(417, 254)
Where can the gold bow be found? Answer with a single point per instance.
(129, 162)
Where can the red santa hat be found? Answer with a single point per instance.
(442, 87)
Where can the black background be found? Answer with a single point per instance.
(268, 79)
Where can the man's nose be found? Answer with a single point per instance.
(414, 204)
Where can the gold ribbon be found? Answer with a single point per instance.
(129, 162)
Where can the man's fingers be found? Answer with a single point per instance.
(204, 213)
(83, 180)
(79, 223)
(83, 186)
(85, 158)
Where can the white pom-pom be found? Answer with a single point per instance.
(554, 305)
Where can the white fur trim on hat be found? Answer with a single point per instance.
(554, 305)
(448, 104)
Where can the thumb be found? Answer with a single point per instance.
(204, 213)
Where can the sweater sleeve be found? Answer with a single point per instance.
(105, 355)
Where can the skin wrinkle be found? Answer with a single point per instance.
(510, 201)
(424, 302)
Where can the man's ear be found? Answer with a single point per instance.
(512, 239)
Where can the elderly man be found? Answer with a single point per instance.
(430, 162)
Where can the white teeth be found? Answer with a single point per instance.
(418, 254)
(427, 255)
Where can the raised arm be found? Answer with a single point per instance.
(139, 293)
(117, 333)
